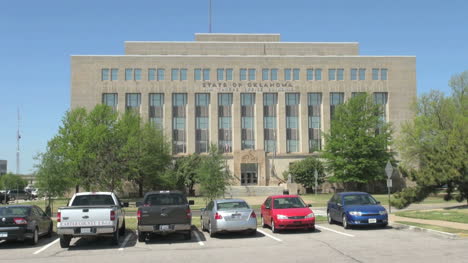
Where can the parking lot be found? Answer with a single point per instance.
(329, 243)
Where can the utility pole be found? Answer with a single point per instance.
(209, 20)
(18, 137)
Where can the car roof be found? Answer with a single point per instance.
(282, 196)
(227, 200)
(353, 193)
(165, 192)
(93, 193)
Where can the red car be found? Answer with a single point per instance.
(287, 212)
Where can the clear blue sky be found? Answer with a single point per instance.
(38, 37)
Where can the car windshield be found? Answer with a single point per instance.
(166, 199)
(359, 200)
(83, 200)
(14, 211)
(288, 202)
(232, 206)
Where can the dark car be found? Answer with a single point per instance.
(356, 208)
(18, 194)
(24, 223)
(164, 212)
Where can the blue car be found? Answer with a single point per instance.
(356, 209)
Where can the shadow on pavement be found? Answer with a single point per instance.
(102, 243)
(12, 244)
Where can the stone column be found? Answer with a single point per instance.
(121, 102)
(144, 106)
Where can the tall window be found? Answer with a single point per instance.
(252, 73)
(270, 74)
(179, 104)
(161, 73)
(105, 74)
(175, 74)
(110, 99)
(265, 74)
(225, 122)
(354, 73)
(197, 73)
(220, 74)
(229, 74)
(318, 74)
(247, 120)
(383, 73)
(274, 74)
(314, 102)
(336, 74)
(156, 109)
(381, 99)
(270, 102)
(114, 74)
(206, 74)
(287, 74)
(151, 74)
(128, 74)
(336, 98)
(292, 122)
(296, 72)
(362, 74)
(332, 74)
(243, 74)
(375, 74)
(202, 102)
(179, 74)
(137, 74)
(379, 74)
(133, 102)
(224, 74)
(310, 74)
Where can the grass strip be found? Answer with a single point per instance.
(460, 232)
(453, 215)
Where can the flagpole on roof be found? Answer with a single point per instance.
(18, 137)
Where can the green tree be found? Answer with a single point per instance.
(434, 146)
(186, 171)
(304, 171)
(12, 181)
(213, 174)
(357, 145)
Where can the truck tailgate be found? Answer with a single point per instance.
(77, 216)
(159, 215)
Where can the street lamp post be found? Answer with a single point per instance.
(389, 172)
(316, 186)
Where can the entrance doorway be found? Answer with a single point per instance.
(249, 173)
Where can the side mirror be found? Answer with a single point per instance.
(139, 203)
(309, 205)
(125, 204)
(191, 202)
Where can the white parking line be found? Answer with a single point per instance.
(125, 242)
(198, 238)
(338, 232)
(270, 236)
(46, 246)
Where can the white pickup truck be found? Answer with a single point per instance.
(91, 214)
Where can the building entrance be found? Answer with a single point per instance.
(249, 173)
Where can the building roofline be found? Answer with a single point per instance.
(246, 42)
(256, 56)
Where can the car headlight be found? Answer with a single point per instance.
(384, 212)
(281, 217)
(355, 213)
(310, 215)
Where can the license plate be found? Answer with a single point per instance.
(236, 215)
(164, 227)
(372, 220)
(3, 234)
(86, 230)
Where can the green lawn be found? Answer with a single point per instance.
(452, 215)
(460, 232)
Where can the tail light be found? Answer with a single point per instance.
(59, 217)
(20, 221)
(218, 216)
(139, 215)
(112, 215)
(189, 213)
(253, 215)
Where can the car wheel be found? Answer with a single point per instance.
(253, 232)
(210, 230)
(345, 222)
(35, 238)
(329, 218)
(188, 235)
(273, 228)
(49, 232)
(115, 237)
(141, 236)
(122, 229)
(65, 241)
(263, 223)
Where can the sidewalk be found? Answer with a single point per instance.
(456, 225)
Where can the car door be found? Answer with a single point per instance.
(43, 221)
(333, 206)
(207, 213)
(267, 211)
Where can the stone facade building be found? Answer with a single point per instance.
(264, 102)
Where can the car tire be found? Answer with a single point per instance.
(273, 228)
(188, 235)
(50, 230)
(253, 232)
(345, 222)
(115, 238)
(65, 241)
(263, 223)
(329, 218)
(210, 230)
(35, 238)
(122, 229)
(141, 236)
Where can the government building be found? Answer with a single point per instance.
(264, 102)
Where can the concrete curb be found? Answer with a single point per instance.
(399, 226)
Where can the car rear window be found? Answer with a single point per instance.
(288, 202)
(84, 200)
(14, 211)
(361, 199)
(165, 199)
(231, 206)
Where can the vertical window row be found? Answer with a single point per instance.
(225, 122)
(110, 99)
(270, 102)
(202, 123)
(336, 98)
(292, 122)
(133, 102)
(247, 121)
(156, 109)
(314, 103)
(179, 104)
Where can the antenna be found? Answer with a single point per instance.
(18, 137)
(209, 23)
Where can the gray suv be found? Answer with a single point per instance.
(19, 194)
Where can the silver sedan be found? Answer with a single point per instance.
(228, 215)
